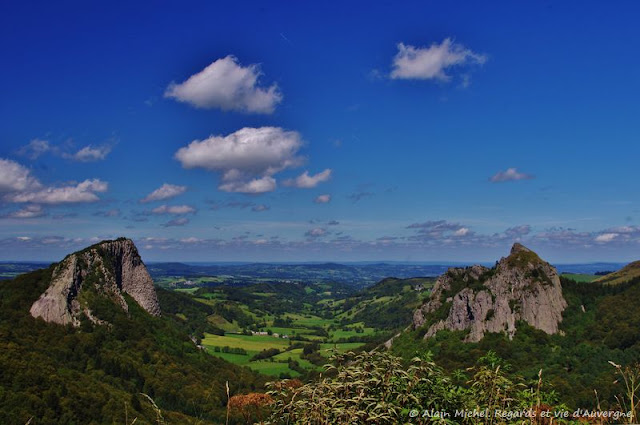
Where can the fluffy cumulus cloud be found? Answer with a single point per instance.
(247, 159)
(19, 186)
(322, 199)
(174, 209)
(463, 231)
(166, 191)
(227, 85)
(510, 174)
(16, 178)
(433, 62)
(255, 186)
(89, 153)
(606, 237)
(85, 191)
(305, 181)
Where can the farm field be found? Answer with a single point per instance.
(580, 277)
(291, 329)
(278, 364)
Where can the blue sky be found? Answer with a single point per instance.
(296, 131)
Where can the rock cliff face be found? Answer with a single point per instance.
(110, 268)
(478, 299)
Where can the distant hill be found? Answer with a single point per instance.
(627, 273)
(357, 275)
(94, 366)
(389, 304)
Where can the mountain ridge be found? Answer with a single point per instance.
(627, 273)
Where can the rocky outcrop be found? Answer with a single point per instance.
(480, 300)
(111, 269)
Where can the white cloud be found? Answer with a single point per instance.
(29, 211)
(322, 199)
(247, 159)
(305, 181)
(426, 63)
(90, 153)
(511, 174)
(190, 240)
(166, 191)
(35, 148)
(606, 237)
(463, 231)
(517, 231)
(14, 177)
(255, 186)
(626, 229)
(316, 233)
(173, 209)
(227, 85)
(82, 192)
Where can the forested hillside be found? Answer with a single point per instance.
(97, 374)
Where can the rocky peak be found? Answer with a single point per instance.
(518, 248)
(477, 299)
(110, 269)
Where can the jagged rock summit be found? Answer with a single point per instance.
(109, 268)
(479, 299)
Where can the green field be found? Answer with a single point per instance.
(273, 368)
(341, 333)
(578, 277)
(187, 290)
(307, 313)
(254, 344)
(251, 343)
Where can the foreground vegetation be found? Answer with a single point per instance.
(380, 388)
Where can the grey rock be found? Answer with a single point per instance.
(480, 300)
(113, 267)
